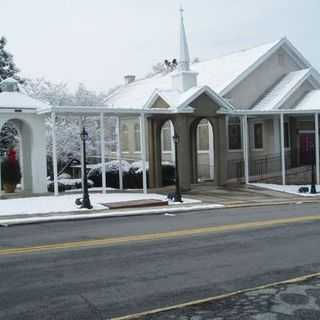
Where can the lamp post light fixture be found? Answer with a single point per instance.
(85, 201)
(177, 196)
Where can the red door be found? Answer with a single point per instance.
(306, 148)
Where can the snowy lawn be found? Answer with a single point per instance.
(66, 203)
(292, 189)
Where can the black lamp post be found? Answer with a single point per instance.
(177, 196)
(85, 201)
(313, 179)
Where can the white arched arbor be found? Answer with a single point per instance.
(32, 147)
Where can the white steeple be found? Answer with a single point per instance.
(184, 59)
(183, 79)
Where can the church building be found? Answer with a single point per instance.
(248, 116)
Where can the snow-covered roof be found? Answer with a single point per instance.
(311, 101)
(282, 90)
(218, 74)
(18, 100)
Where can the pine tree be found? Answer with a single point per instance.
(8, 68)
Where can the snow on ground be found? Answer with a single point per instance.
(66, 203)
(292, 189)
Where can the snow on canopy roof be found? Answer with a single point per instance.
(311, 101)
(18, 100)
(217, 73)
(9, 80)
(283, 89)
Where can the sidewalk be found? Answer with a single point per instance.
(202, 197)
(298, 300)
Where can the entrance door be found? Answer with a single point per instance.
(306, 141)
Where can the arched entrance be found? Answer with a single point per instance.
(167, 153)
(17, 133)
(203, 155)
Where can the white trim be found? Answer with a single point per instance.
(119, 153)
(54, 154)
(102, 146)
(81, 123)
(283, 161)
(108, 110)
(316, 125)
(245, 147)
(250, 112)
(143, 148)
(306, 131)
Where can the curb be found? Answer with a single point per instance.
(97, 214)
(102, 215)
(215, 298)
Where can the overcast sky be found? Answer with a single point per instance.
(97, 42)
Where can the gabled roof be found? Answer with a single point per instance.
(181, 101)
(283, 90)
(220, 74)
(18, 100)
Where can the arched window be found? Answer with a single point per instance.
(166, 137)
(203, 135)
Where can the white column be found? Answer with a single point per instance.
(81, 123)
(283, 159)
(173, 152)
(245, 147)
(54, 154)
(211, 151)
(316, 127)
(143, 152)
(119, 154)
(102, 145)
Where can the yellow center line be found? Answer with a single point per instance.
(158, 236)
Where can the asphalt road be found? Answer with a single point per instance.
(104, 281)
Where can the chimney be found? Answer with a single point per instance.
(129, 78)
